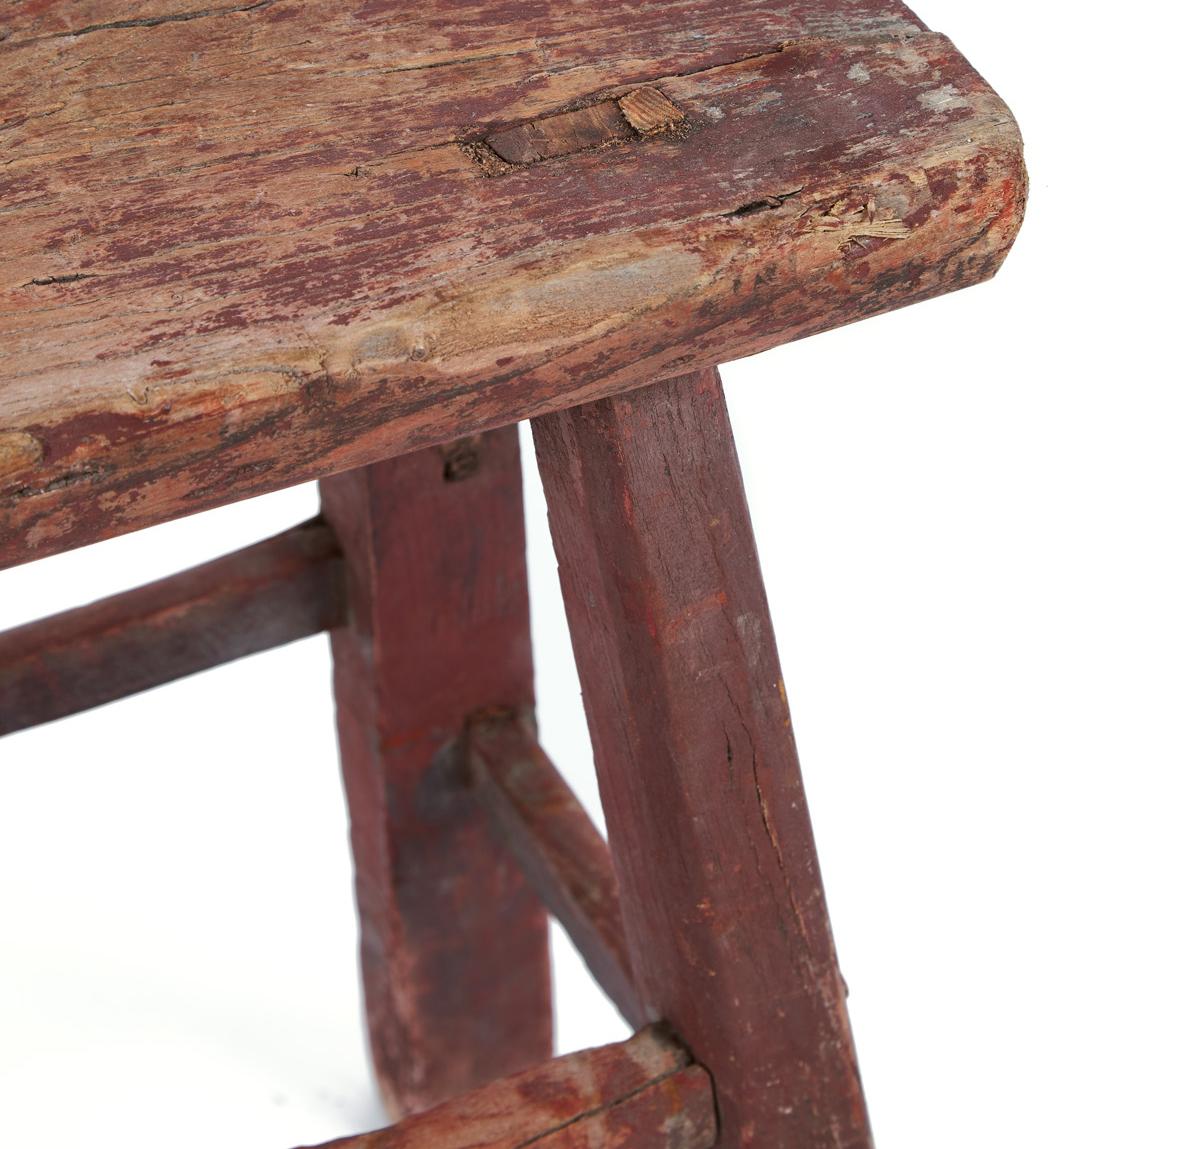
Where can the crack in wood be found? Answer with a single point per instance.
(607, 1105)
(85, 474)
(767, 203)
(47, 280)
(171, 18)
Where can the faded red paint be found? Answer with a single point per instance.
(721, 894)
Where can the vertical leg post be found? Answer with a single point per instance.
(721, 895)
(454, 944)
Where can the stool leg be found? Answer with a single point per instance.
(720, 890)
(455, 961)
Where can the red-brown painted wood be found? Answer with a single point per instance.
(250, 244)
(561, 853)
(720, 891)
(643, 1093)
(454, 942)
(266, 595)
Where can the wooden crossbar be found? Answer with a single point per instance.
(643, 1093)
(563, 856)
(268, 594)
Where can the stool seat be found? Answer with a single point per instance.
(257, 243)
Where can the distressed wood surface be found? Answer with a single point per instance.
(559, 849)
(455, 956)
(252, 244)
(272, 593)
(643, 1093)
(721, 893)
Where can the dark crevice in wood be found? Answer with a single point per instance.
(172, 18)
(46, 280)
(767, 203)
(61, 482)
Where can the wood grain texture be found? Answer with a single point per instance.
(720, 890)
(274, 592)
(643, 1093)
(455, 957)
(561, 853)
(253, 244)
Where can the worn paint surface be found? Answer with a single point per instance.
(721, 894)
(251, 244)
(455, 955)
(643, 1093)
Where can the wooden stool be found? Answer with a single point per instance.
(260, 243)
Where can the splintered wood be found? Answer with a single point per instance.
(650, 112)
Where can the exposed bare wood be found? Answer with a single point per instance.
(266, 595)
(650, 112)
(251, 244)
(561, 853)
(721, 893)
(640, 1094)
(455, 957)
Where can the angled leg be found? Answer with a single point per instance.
(721, 896)
(454, 944)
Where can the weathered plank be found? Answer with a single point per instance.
(561, 853)
(720, 890)
(643, 1093)
(455, 956)
(248, 245)
(272, 593)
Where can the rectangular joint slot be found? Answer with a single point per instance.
(642, 112)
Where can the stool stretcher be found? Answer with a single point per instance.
(267, 595)
(643, 1093)
(561, 853)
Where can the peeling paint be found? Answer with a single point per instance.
(945, 99)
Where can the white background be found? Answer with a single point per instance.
(978, 523)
